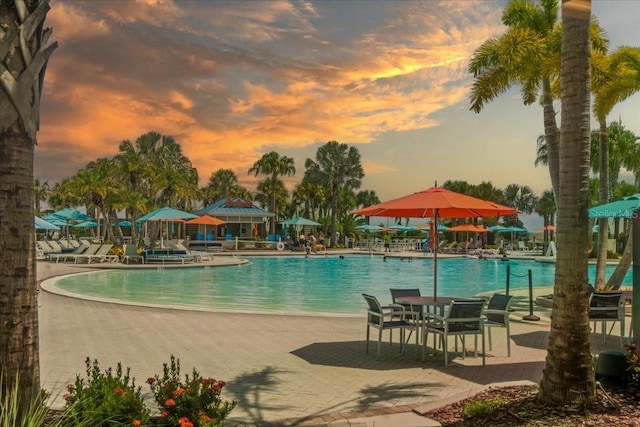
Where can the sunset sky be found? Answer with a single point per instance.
(232, 80)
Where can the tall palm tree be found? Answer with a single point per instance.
(569, 375)
(24, 52)
(273, 165)
(336, 166)
(617, 79)
(527, 55)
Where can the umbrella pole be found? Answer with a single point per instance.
(435, 256)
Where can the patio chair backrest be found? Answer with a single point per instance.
(469, 313)
(375, 309)
(131, 250)
(605, 305)
(498, 302)
(399, 293)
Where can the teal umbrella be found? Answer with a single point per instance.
(68, 214)
(299, 221)
(87, 224)
(166, 214)
(41, 224)
(628, 207)
(369, 227)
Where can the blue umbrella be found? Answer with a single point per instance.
(124, 224)
(86, 224)
(41, 224)
(299, 221)
(368, 227)
(402, 227)
(68, 214)
(166, 214)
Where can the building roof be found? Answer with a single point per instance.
(236, 210)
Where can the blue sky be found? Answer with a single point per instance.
(232, 80)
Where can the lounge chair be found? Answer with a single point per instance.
(131, 254)
(45, 247)
(68, 255)
(101, 255)
(522, 246)
(91, 250)
(55, 246)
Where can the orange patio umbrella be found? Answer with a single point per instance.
(436, 202)
(470, 228)
(206, 220)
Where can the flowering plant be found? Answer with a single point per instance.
(195, 402)
(105, 398)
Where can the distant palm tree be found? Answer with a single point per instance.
(336, 166)
(222, 184)
(273, 165)
(40, 194)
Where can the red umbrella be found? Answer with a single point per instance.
(436, 202)
(469, 227)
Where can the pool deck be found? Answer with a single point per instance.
(281, 370)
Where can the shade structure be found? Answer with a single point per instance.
(42, 224)
(369, 227)
(399, 227)
(548, 227)
(436, 202)
(299, 221)
(469, 227)
(628, 207)
(69, 214)
(206, 220)
(124, 223)
(86, 224)
(427, 227)
(166, 214)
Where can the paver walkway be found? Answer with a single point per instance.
(281, 370)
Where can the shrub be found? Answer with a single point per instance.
(195, 402)
(482, 407)
(633, 368)
(105, 399)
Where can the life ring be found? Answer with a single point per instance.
(280, 246)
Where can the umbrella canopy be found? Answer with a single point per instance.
(548, 227)
(402, 227)
(627, 208)
(436, 202)
(167, 214)
(427, 227)
(41, 224)
(299, 221)
(624, 208)
(69, 214)
(469, 227)
(369, 227)
(124, 223)
(86, 224)
(206, 220)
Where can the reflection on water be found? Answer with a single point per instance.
(315, 285)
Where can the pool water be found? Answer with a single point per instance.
(299, 285)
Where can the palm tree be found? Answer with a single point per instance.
(336, 166)
(40, 194)
(222, 184)
(24, 52)
(619, 78)
(528, 55)
(546, 208)
(569, 375)
(273, 165)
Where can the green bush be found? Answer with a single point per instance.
(482, 407)
(633, 368)
(195, 402)
(105, 399)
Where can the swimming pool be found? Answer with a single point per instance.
(298, 285)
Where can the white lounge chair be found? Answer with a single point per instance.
(101, 255)
(57, 257)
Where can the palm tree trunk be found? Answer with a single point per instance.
(19, 357)
(551, 135)
(603, 223)
(568, 375)
(615, 281)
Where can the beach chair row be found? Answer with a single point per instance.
(95, 252)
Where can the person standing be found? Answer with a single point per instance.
(387, 242)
